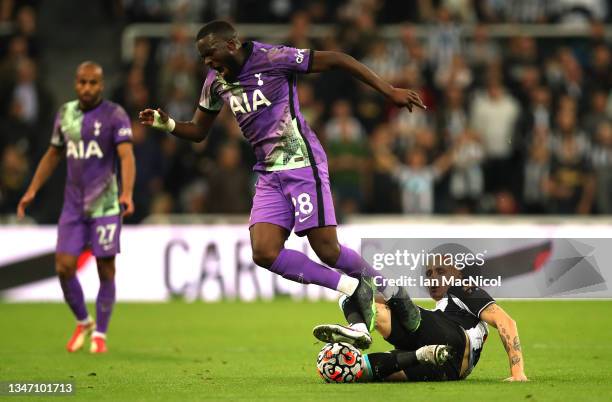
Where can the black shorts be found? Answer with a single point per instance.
(435, 329)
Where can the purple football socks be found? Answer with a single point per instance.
(353, 264)
(104, 304)
(73, 294)
(296, 266)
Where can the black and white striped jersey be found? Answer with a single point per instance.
(463, 306)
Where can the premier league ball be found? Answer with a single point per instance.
(340, 362)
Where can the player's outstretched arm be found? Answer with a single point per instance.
(195, 130)
(508, 333)
(45, 168)
(128, 176)
(326, 60)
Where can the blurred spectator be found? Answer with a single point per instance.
(572, 83)
(568, 131)
(490, 11)
(371, 106)
(10, 8)
(178, 59)
(215, 9)
(146, 10)
(571, 184)
(452, 117)
(142, 64)
(149, 170)
(379, 60)
(407, 123)
(258, 11)
(466, 177)
(444, 40)
(523, 57)
(29, 110)
(536, 117)
(321, 11)
(298, 34)
(455, 74)
(347, 158)
(383, 191)
(357, 31)
(133, 93)
(32, 98)
(27, 28)
(343, 124)
(194, 197)
(520, 11)
(581, 12)
(162, 204)
(535, 177)
(462, 10)
(505, 203)
(602, 164)
(311, 108)
(400, 50)
(179, 105)
(494, 116)
(228, 183)
(416, 179)
(17, 50)
(597, 113)
(529, 82)
(6, 9)
(527, 11)
(481, 50)
(14, 171)
(190, 10)
(427, 140)
(600, 71)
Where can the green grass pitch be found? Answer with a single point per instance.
(265, 351)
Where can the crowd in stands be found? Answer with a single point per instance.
(513, 125)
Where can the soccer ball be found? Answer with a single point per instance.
(340, 362)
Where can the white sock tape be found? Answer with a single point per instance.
(160, 125)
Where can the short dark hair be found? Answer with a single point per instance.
(220, 28)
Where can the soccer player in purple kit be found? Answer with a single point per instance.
(95, 135)
(258, 82)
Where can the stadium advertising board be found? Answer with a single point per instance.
(213, 262)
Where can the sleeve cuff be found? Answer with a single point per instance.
(310, 59)
(202, 108)
(123, 139)
(484, 307)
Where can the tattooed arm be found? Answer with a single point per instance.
(506, 326)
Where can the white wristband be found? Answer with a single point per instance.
(160, 125)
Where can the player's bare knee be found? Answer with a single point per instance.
(397, 376)
(324, 242)
(383, 320)
(64, 272)
(327, 251)
(65, 267)
(265, 256)
(106, 268)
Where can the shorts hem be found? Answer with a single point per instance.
(69, 252)
(251, 224)
(303, 231)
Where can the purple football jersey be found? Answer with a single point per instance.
(90, 139)
(264, 101)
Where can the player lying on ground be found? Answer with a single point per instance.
(94, 134)
(258, 82)
(459, 320)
